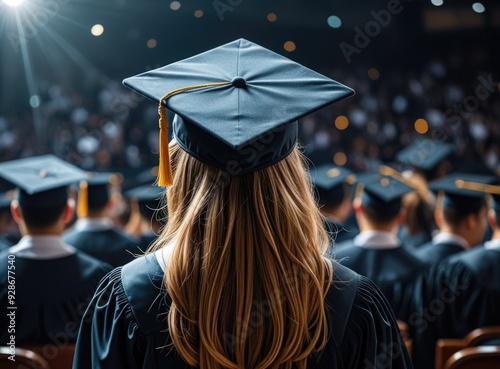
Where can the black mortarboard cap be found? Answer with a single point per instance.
(236, 106)
(424, 154)
(42, 180)
(382, 193)
(330, 181)
(458, 192)
(150, 198)
(94, 192)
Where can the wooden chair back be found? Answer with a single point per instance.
(445, 348)
(58, 356)
(405, 332)
(23, 359)
(481, 357)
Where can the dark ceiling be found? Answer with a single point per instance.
(62, 49)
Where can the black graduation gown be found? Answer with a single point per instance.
(125, 324)
(413, 241)
(7, 240)
(462, 293)
(109, 245)
(397, 273)
(435, 253)
(474, 277)
(50, 295)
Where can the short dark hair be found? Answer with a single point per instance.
(454, 216)
(378, 215)
(42, 216)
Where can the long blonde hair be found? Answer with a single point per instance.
(246, 276)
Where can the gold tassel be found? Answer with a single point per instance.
(165, 169)
(83, 200)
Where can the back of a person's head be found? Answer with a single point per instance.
(456, 211)
(37, 217)
(246, 275)
(380, 215)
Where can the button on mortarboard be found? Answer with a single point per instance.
(328, 177)
(383, 193)
(228, 98)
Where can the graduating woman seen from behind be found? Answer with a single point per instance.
(237, 279)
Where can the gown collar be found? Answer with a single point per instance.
(493, 244)
(445, 237)
(93, 224)
(379, 240)
(40, 247)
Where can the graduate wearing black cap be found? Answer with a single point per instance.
(237, 211)
(332, 186)
(427, 162)
(426, 158)
(94, 232)
(475, 279)
(376, 252)
(53, 281)
(149, 204)
(460, 216)
(462, 291)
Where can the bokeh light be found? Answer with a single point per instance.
(341, 122)
(421, 126)
(437, 2)
(271, 17)
(340, 159)
(373, 74)
(334, 21)
(175, 5)
(13, 3)
(97, 30)
(35, 101)
(151, 43)
(289, 46)
(198, 13)
(478, 7)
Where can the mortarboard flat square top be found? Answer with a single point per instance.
(424, 154)
(42, 180)
(40, 173)
(452, 184)
(330, 176)
(456, 193)
(386, 189)
(235, 95)
(383, 193)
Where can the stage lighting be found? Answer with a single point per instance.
(13, 3)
